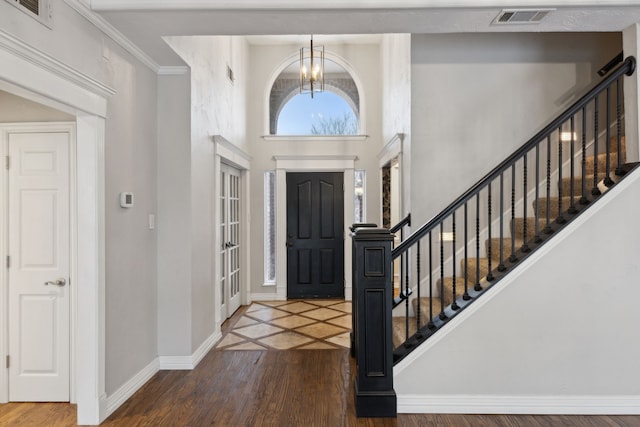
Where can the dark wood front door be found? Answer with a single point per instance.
(315, 235)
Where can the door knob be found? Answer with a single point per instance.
(58, 282)
(289, 244)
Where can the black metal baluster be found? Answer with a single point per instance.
(501, 266)
(607, 179)
(430, 325)
(536, 213)
(572, 207)
(525, 247)
(442, 315)
(513, 257)
(418, 314)
(406, 301)
(560, 218)
(454, 305)
(583, 199)
(596, 118)
(619, 170)
(477, 285)
(466, 296)
(489, 274)
(547, 227)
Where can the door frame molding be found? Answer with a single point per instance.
(45, 127)
(225, 152)
(33, 74)
(284, 164)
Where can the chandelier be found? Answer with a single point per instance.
(311, 69)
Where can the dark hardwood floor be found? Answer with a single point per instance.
(269, 388)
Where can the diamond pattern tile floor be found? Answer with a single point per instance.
(288, 325)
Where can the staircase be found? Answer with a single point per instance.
(511, 247)
(458, 255)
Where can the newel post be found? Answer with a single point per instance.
(372, 301)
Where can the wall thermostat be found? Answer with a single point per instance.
(126, 200)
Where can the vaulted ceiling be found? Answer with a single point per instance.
(145, 22)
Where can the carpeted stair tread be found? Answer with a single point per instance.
(399, 329)
(602, 162)
(448, 287)
(506, 247)
(554, 206)
(473, 263)
(614, 144)
(518, 227)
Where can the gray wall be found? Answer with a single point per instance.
(130, 166)
(174, 225)
(217, 108)
(566, 341)
(475, 98)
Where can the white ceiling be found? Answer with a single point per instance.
(144, 22)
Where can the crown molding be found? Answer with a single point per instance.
(109, 30)
(46, 62)
(122, 5)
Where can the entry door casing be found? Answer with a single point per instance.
(39, 247)
(315, 235)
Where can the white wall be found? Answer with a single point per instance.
(558, 335)
(475, 98)
(217, 108)
(130, 166)
(266, 61)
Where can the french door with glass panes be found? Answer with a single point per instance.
(230, 233)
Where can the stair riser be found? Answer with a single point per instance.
(554, 207)
(565, 187)
(602, 162)
(506, 248)
(473, 276)
(518, 227)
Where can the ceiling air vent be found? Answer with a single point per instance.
(38, 9)
(521, 16)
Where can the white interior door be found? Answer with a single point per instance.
(38, 275)
(230, 206)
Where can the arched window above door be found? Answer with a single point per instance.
(336, 111)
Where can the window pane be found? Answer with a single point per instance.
(359, 196)
(269, 226)
(324, 114)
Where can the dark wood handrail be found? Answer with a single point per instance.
(627, 67)
(404, 221)
(609, 65)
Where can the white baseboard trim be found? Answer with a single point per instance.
(538, 405)
(266, 297)
(127, 390)
(188, 363)
(206, 346)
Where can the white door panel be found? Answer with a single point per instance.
(39, 273)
